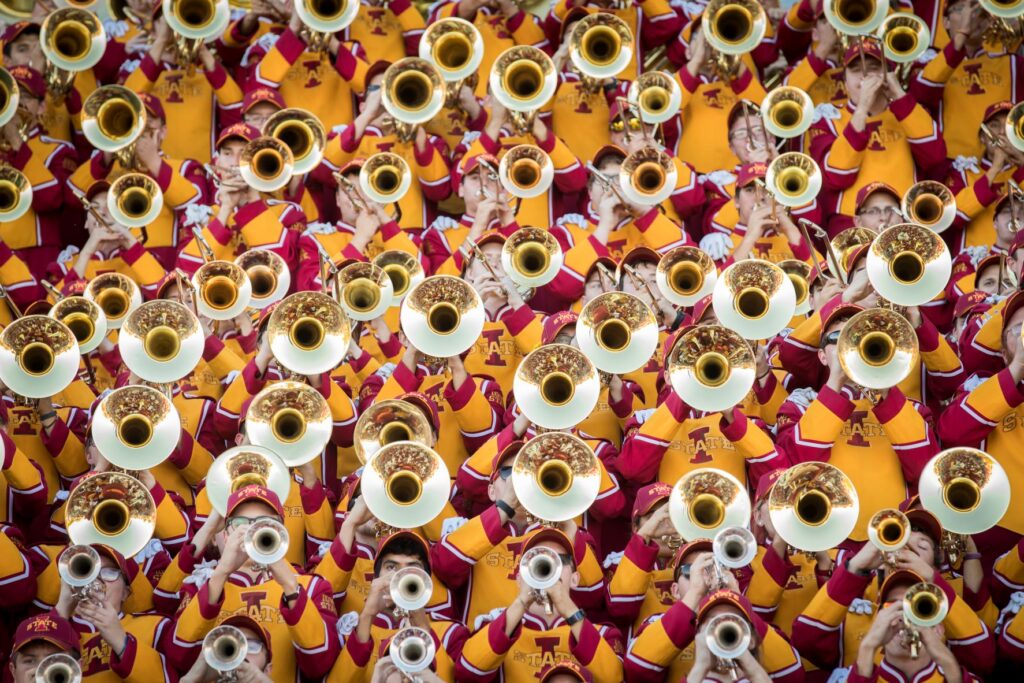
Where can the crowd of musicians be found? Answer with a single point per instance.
(598, 340)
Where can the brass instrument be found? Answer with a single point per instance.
(924, 605)
(647, 177)
(265, 542)
(793, 179)
(195, 22)
(442, 316)
(877, 348)
(224, 649)
(366, 291)
(556, 476)
(292, 419)
(798, 272)
(303, 134)
(541, 568)
(385, 178)
(136, 427)
(734, 548)
(787, 112)
(405, 485)
(113, 118)
(929, 203)
(734, 27)
(531, 257)
(59, 668)
(113, 509)
(813, 506)
(846, 242)
(161, 341)
(1003, 9)
(116, 295)
(224, 290)
(856, 17)
(243, 466)
(889, 530)
(456, 49)
(309, 333)
(523, 79)
(268, 275)
(404, 269)
(728, 637)
(601, 45)
(904, 36)
(72, 40)
(410, 589)
(266, 164)
(755, 298)
(16, 10)
(712, 368)
(39, 356)
(908, 264)
(79, 566)
(386, 422)
(966, 489)
(15, 194)
(412, 650)
(617, 332)
(526, 171)
(412, 92)
(556, 386)
(10, 94)
(134, 200)
(706, 500)
(686, 275)
(656, 95)
(1015, 126)
(324, 18)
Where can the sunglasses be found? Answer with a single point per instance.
(109, 574)
(830, 338)
(239, 521)
(505, 471)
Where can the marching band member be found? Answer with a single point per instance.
(35, 639)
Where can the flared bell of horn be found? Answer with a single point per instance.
(197, 19)
(10, 95)
(161, 341)
(84, 318)
(366, 291)
(905, 37)
(526, 171)
(856, 17)
(410, 588)
(265, 542)
(412, 650)
(303, 134)
(72, 39)
(224, 648)
(618, 332)
(454, 46)
(908, 264)
(734, 547)
(116, 295)
(405, 485)
(925, 605)
(442, 316)
(734, 27)
(787, 112)
(243, 466)
(224, 290)
(656, 95)
(728, 636)
(929, 203)
(113, 509)
(556, 476)
(134, 200)
(269, 276)
(39, 356)
(78, 565)
(292, 419)
(327, 16)
(309, 333)
(112, 118)
(556, 386)
(889, 530)
(266, 164)
(385, 178)
(966, 489)
(15, 194)
(813, 506)
(404, 269)
(1003, 9)
(386, 422)
(706, 500)
(877, 348)
(136, 427)
(793, 179)
(799, 272)
(412, 91)
(532, 257)
(711, 368)
(647, 177)
(844, 244)
(601, 45)
(523, 78)
(686, 275)
(58, 668)
(754, 298)
(1014, 126)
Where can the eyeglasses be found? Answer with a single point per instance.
(109, 574)
(830, 338)
(879, 212)
(253, 647)
(684, 570)
(239, 521)
(505, 471)
(743, 135)
(617, 126)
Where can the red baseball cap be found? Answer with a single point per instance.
(547, 533)
(378, 67)
(765, 483)
(49, 627)
(649, 496)
(262, 94)
(725, 597)
(352, 166)
(238, 131)
(574, 14)
(16, 29)
(836, 309)
(751, 172)
(247, 622)
(153, 105)
(507, 453)
(566, 667)
(95, 188)
(401, 535)
(698, 545)
(128, 566)
(900, 577)
(743, 108)
(554, 324)
(996, 108)
(927, 523)
(606, 151)
(29, 79)
(254, 492)
(702, 306)
(972, 303)
(854, 256)
(873, 187)
(425, 406)
(640, 254)
(868, 46)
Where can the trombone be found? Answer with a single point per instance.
(366, 291)
(455, 47)
(116, 295)
(72, 40)
(404, 269)
(15, 194)
(243, 466)
(387, 422)
(1015, 126)
(656, 96)
(195, 22)
(266, 164)
(929, 203)
(793, 179)
(787, 112)
(733, 28)
(224, 290)
(303, 134)
(113, 118)
(905, 37)
(523, 79)
(84, 318)
(600, 47)
(268, 275)
(385, 178)
(799, 272)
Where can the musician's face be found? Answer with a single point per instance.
(997, 126)
(477, 271)
(1004, 225)
(609, 168)
(646, 273)
(682, 583)
(30, 103)
(471, 185)
(747, 137)
(879, 211)
(259, 113)
(259, 659)
(855, 75)
(25, 51)
(1011, 335)
(99, 203)
(988, 279)
(114, 591)
(746, 201)
(594, 286)
(24, 662)
(229, 154)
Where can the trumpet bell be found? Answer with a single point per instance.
(113, 509)
(116, 295)
(292, 419)
(601, 45)
(856, 17)
(889, 530)
(728, 636)
(844, 244)
(1014, 126)
(112, 118)
(266, 164)
(303, 134)
(39, 356)
(161, 341)
(532, 257)
(136, 427)
(540, 567)
(79, 565)
(905, 37)
(931, 204)
(84, 318)
(15, 194)
(9, 97)
(754, 298)
(877, 348)
(647, 177)
(526, 171)
(59, 668)
(711, 368)
(387, 422)
(966, 489)
(197, 19)
(404, 270)
(405, 485)
(734, 547)
(705, 501)
(327, 16)
(813, 506)
(556, 386)
(454, 46)
(243, 466)
(309, 333)
(798, 273)
(523, 78)
(366, 291)
(268, 275)
(686, 275)
(1003, 9)
(412, 650)
(385, 178)
(793, 179)
(413, 91)
(266, 542)
(72, 39)
(925, 605)
(442, 316)
(411, 588)
(135, 200)
(556, 476)
(617, 332)
(224, 648)
(734, 27)
(787, 112)
(908, 264)
(656, 95)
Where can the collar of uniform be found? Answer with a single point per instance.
(498, 314)
(388, 621)
(594, 219)
(106, 256)
(891, 673)
(429, 371)
(532, 621)
(242, 579)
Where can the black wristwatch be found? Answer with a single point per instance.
(292, 596)
(506, 508)
(575, 618)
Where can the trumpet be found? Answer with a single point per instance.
(410, 589)
(556, 476)
(59, 668)
(292, 419)
(243, 466)
(39, 356)
(79, 567)
(924, 605)
(195, 22)
(1014, 126)
(412, 91)
(324, 18)
(268, 275)
(385, 178)
(908, 264)
(904, 36)
(734, 548)
(403, 268)
(712, 368)
(523, 79)
(10, 95)
(134, 200)
(412, 650)
(455, 47)
(877, 348)
(531, 257)
(84, 318)
(647, 177)
(113, 118)
(856, 17)
(793, 179)
(224, 290)
(966, 489)
(136, 427)
(706, 500)
(386, 422)
(889, 530)
(686, 275)
(813, 506)
(15, 194)
(116, 295)
(366, 291)
(265, 542)
(161, 341)
(405, 485)
(309, 333)
(656, 96)
(113, 509)
(601, 45)
(526, 171)
(72, 40)
(734, 27)
(556, 386)
(303, 134)
(787, 112)
(798, 272)
(442, 316)
(617, 332)
(541, 568)
(266, 164)
(930, 204)
(754, 298)
(728, 636)
(224, 649)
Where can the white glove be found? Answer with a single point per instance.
(718, 245)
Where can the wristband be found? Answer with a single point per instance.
(290, 597)
(575, 618)
(506, 508)
(972, 556)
